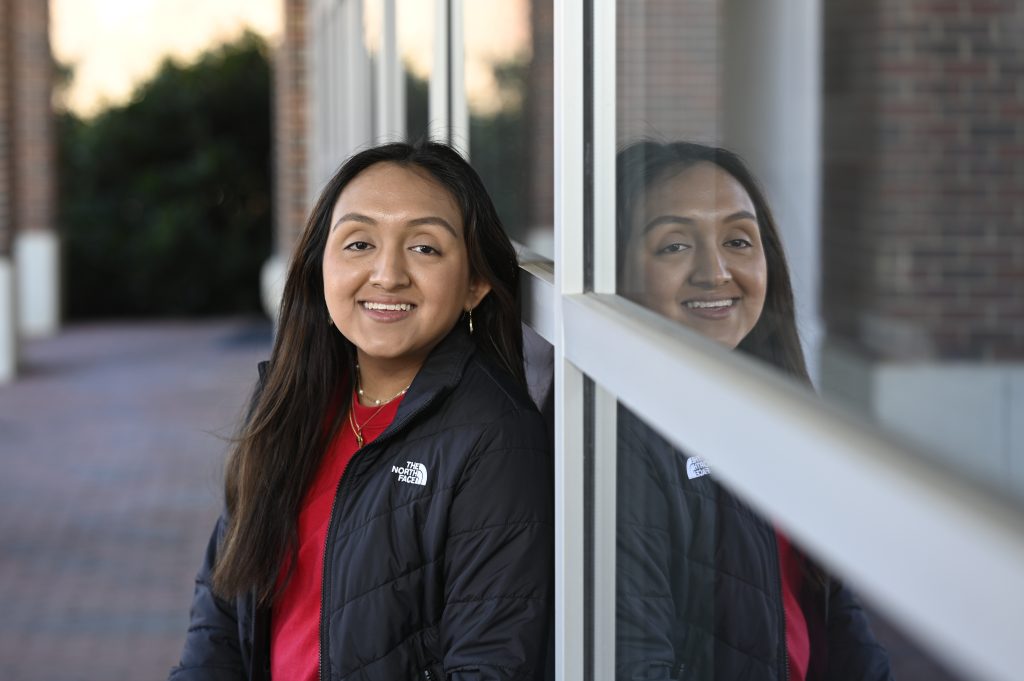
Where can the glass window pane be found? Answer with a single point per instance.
(835, 191)
(923, 227)
(838, 195)
(509, 80)
(416, 50)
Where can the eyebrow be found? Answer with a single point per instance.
(426, 220)
(680, 220)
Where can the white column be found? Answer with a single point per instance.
(356, 91)
(272, 277)
(440, 113)
(457, 69)
(8, 322)
(390, 76)
(570, 567)
(37, 267)
(605, 451)
(771, 109)
(449, 109)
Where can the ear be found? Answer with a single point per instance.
(478, 288)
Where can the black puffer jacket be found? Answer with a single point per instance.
(449, 579)
(699, 587)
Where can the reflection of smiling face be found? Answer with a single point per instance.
(396, 269)
(695, 254)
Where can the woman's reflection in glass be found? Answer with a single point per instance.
(707, 589)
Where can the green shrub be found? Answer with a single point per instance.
(165, 201)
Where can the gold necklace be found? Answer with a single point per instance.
(376, 403)
(356, 428)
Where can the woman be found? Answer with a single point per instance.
(707, 589)
(389, 505)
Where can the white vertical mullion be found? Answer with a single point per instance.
(440, 117)
(604, 495)
(605, 450)
(604, 111)
(459, 106)
(400, 104)
(360, 87)
(390, 123)
(569, 511)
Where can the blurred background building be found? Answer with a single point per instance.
(923, 255)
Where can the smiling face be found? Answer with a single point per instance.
(695, 254)
(396, 270)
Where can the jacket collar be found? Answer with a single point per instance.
(440, 373)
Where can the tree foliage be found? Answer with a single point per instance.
(165, 201)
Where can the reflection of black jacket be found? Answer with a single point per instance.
(699, 587)
(451, 579)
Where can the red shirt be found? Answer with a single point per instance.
(798, 643)
(295, 617)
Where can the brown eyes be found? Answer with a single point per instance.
(672, 248)
(739, 243)
(679, 247)
(422, 249)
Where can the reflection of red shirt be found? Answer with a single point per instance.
(798, 644)
(295, 618)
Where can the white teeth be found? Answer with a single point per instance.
(396, 307)
(702, 304)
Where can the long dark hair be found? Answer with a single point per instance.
(281, 443)
(642, 164)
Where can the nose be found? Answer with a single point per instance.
(389, 268)
(710, 268)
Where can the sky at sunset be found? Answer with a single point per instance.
(113, 45)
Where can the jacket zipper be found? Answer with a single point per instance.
(330, 524)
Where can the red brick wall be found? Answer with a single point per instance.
(290, 113)
(6, 190)
(33, 147)
(668, 69)
(924, 177)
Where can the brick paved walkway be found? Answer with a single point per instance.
(111, 447)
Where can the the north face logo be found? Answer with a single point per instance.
(413, 473)
(696, 467)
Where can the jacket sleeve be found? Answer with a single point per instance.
(212, 651)
(499, 557)
(853, 652)
(644, 606)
